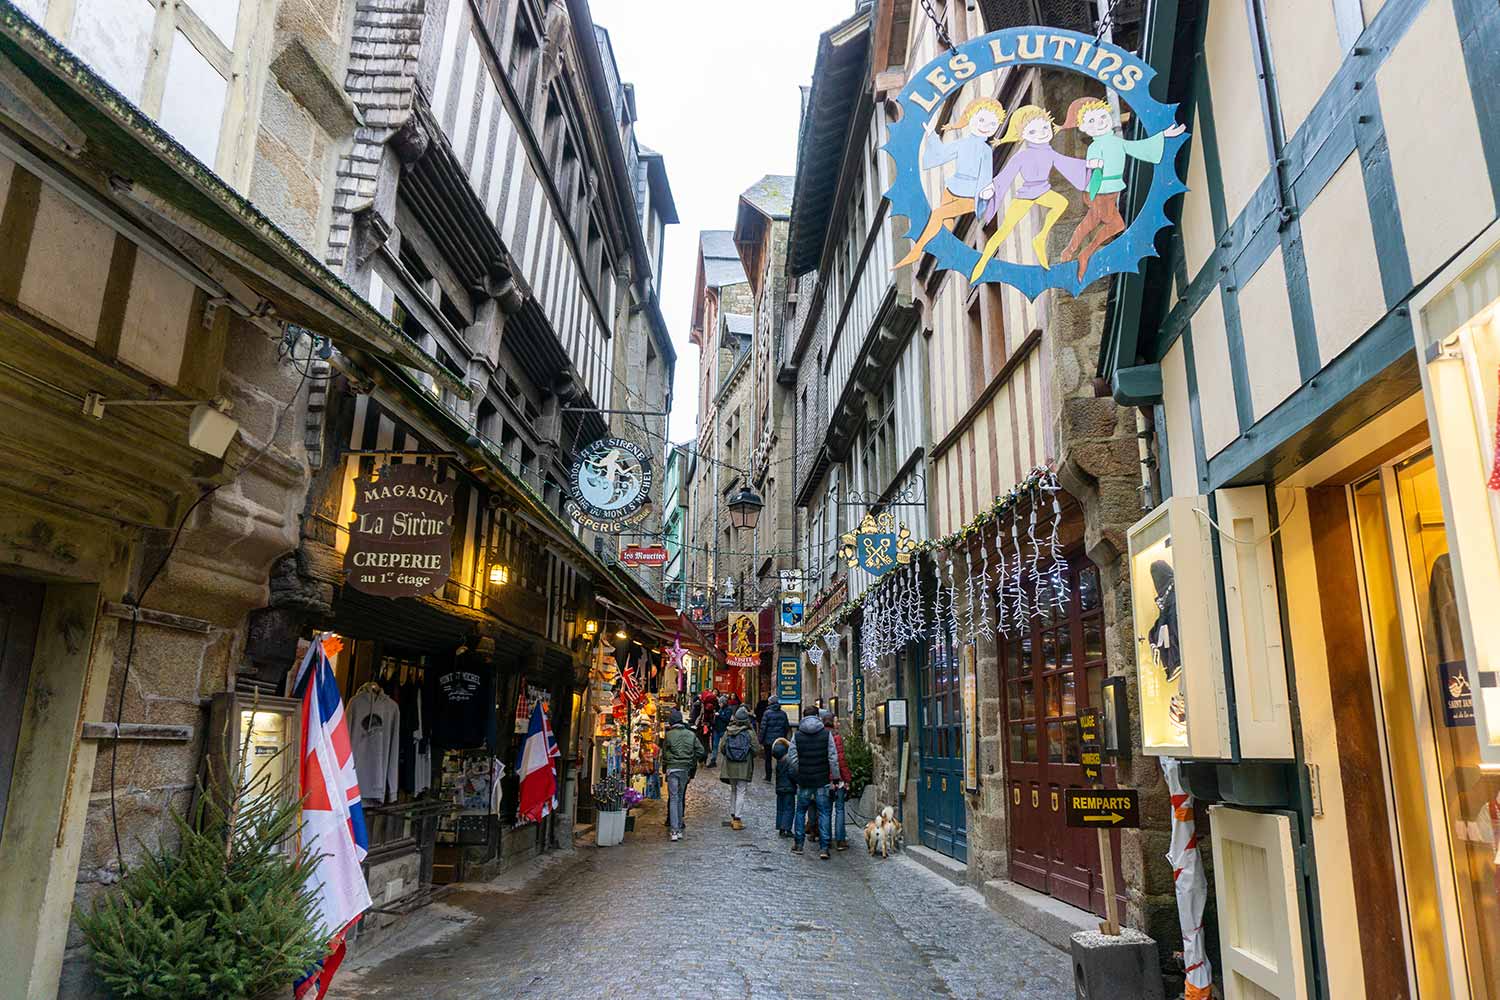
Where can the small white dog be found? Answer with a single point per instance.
(883, 833)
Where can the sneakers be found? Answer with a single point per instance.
(676, 836)
(823, 854)
(796, 848)
(841, 845)
(735, 823)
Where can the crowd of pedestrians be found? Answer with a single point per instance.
(808, 765)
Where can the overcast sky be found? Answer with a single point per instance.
(716, 85)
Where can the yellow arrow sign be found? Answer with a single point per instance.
(1111, 818)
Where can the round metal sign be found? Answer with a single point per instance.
(1037, 182)
(610, 485)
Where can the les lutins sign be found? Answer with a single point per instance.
(400, 541)
(1037, 181)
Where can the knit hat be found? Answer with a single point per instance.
(675, 719)
(774, 700)
(743, 715)
(826, 714)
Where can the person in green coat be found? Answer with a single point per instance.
(738, 750)
(680, 753)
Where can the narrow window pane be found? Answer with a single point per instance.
(1093, 639)
(1054, 695)
(193, 107)
(1029, 738)
(1054, 743)
(114, 38)
(1017, 743)
(220, 16)
(1069, 694)
(1072, 745)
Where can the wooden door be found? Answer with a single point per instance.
(1051, 671)
(941, 725)
(20, 610)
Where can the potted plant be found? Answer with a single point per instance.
(609, 796)
(225, 912)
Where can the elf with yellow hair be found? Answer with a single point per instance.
(971, 156)
(1034, 162)
(1105, 158)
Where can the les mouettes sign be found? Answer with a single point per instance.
(610, 485)
(400, 541)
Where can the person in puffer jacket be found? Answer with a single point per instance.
(814, 761)
(773, 726)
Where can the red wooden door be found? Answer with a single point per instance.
(1051, 670)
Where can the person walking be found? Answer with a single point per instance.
(840, 791)
(773, 726)
(680, 753)
(738, 748)
(786, 788)
(722, 715)
(815, 761)
(704, 711)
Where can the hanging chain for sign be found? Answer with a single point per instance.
(938, 25)
(1106, 22)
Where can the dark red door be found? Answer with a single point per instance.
(1051, 670)
(20, 610)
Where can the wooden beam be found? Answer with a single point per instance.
(137, 731)
(115, 609)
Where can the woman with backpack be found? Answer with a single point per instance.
(738, 748)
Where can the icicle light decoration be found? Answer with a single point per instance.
(1059, 585)
(1034, 567)
(867, 658)
(985, 617)
(952, 605)
(1002, 584)
(970, 625)
(1021, 607)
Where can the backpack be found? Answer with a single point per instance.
(737, 746)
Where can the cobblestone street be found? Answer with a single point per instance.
(720, 914)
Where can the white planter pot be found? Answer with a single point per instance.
(610, 830)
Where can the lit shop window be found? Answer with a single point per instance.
(186, 63)
(1458, 344)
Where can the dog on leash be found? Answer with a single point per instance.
(883, 833)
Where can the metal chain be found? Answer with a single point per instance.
(937, 23)
(1106, 22)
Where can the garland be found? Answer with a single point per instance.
(1010, 600)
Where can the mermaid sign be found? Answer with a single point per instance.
(1035, 180)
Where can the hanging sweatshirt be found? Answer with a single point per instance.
(375, 734)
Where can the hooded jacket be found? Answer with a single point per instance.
(786, 778)
(773, 723)
(738, 770)
(813, 757)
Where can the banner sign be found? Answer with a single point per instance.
(400, 541)
(791, 615)
(1091, 752)
(609, 485)
(644, 555)
(878, 545)
(858, 692)
(1102, 808)
(970, 688)
(744, 641)
(1036, 182)
(789, 681)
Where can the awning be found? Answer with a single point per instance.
(104, 148)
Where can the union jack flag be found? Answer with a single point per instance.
(333, 820)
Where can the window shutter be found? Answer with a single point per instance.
(1260, 916)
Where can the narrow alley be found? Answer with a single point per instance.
(721, 914)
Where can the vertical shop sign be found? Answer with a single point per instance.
(971, 716)
(1090, 750)
(1458, 697)
(744, 641)
(859, 699)
(400, 541)
(789, 680)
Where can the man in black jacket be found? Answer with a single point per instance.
(814, 761)
(773, 726)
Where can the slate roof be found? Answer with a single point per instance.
(721, 259)
(771, 195)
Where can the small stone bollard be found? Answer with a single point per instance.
(1106, 967)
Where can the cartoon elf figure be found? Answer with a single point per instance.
(1106, 164)
(971, 154)
(1034, 128)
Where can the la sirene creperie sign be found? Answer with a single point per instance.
(400, 541)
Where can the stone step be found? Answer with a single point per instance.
(954, 871)
(1048, 918)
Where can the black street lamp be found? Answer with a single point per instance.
(745, 507)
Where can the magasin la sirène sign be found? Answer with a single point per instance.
(400, 541)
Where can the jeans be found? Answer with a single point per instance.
(737, 792)
(836, 806)
(713, 754)
(818, 796)
(677, 781)
(769, 765)
(785, 803)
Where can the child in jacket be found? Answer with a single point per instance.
(786, 788)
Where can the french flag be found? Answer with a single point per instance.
(538, 769)
(333, 821)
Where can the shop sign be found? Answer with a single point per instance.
(1102, 809)
(744, 642)
(826, 604)
(609, 485)
(789, 680)
(1091, 753)
(923, 144)
(792, 615)
(878, 545)
(400, 541)
(858, 690)
(971, 716)
(644, 555)
(1458, 697)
